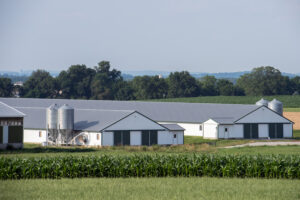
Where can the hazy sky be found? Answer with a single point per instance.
(167, 35)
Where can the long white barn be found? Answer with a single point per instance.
(167, 120)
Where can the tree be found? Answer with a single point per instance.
(295, 84)
(209, 86)
(263, 81)
(123, 91)
(104, 83)
(6, 87)
(225, 87)
(149, 87)
(76, 82)
(40, 85)
(182, 84)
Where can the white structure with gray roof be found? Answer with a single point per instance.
(196, 119)
(11, 127)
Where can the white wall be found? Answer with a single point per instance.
(287, 130)
(263, 130)
(164, 137)
(191, 129)
(93, 141)
(135, 138)
(180, 137)
(263, 115)
(135, 121)
(32, 136)
(107, 138)
(210, 129)
(230, 131)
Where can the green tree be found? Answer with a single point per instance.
(6, 87)
(182, 84)
(40, 85)
(76, 82)
(263, 81)
(123, 91)
(225, 87)
(295, 85)
(209, 86)
(104, 83)
(149, 87)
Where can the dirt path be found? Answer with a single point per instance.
(257, 144)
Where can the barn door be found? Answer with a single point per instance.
(1, 134)
(145, 138)
(126, 137)
(247, 134)
(254, 131)
(276, 130)
(279, 130)
(272, 132)
(118, 138)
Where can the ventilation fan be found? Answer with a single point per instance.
(82, 139)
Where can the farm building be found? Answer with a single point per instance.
(106, 122)
(11, 127)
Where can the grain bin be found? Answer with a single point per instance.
(66, 117)
(276, 106)
(51, 117)
(51, 124)
(262, 102)
(65, 124)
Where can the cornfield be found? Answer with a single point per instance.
(269, 166)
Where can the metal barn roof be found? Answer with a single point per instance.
(173, 127)
(8, 111)
(85, 119)
(158, 111)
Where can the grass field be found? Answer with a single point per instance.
(287, 100)
(33, 150)
(151, 188)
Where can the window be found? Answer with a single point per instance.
(174, 136)
(98, 136)
(200, 127)
(226, 129)
(40, 133)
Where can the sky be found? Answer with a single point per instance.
(165, 35)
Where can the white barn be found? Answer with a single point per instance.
(195, 119)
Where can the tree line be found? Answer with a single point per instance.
(102, 82)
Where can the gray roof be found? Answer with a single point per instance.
(85, 119)
(158, 111)
(223, 120)
(173, 127)
(8, 111)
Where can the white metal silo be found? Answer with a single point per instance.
(65, 123)
(51, 124)
(276, 106)
(262, 102)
